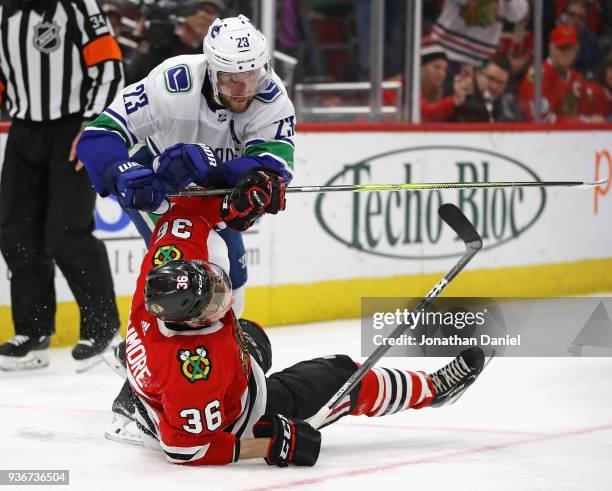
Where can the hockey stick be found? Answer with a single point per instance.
(466, 231)
(417, 186)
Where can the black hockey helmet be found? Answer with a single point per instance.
(191, 292)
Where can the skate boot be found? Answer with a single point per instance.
(24, 352)
(123, 427)
(89, 352)
(451, 381)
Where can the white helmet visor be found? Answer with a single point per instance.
(242, 84)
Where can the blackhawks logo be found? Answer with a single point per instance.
(194, 366)
(165, 254)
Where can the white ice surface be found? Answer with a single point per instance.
(526, 424)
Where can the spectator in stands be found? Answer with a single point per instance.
(434, 66)
(595, 13)
(192, 32)
(489, 103)
(563, 89)
(163, 40)
(606, 80)
(470, 30)
(589, 50)
(517, 46)
(431, 12)
(113, 14)
(598, 96)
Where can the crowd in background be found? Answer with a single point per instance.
(486, 48)
(476, 55)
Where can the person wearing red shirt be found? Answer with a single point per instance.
(198, 372)
(563, 89)
(599, 95)
(435, 107)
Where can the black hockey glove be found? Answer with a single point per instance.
(258, 191)
(293, 441)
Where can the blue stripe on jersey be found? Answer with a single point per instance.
(254, 142)
(120, 118)
(287, 140)
(153, 146)
(98, 150)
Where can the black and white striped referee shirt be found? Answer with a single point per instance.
(57, 57)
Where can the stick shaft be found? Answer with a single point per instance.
(407, 186)
(317, 419)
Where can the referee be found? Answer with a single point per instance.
(60, 67)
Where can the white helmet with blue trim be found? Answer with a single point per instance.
(238, 57)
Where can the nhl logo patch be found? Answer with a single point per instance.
(194, 366)
(47, 37)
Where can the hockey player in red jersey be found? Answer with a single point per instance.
(199, 373)
(563, 89)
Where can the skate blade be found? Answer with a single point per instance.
(123, 430)
(31, 361)
(111, 360)
(86, 364)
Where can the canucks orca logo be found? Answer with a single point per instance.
(46, 37)
(177, 79)
(194, 366)
(269, 94)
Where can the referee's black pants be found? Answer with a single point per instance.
(46, 216)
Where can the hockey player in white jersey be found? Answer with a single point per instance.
(207, 119)
(228, 99)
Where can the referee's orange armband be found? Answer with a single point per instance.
(101, 49)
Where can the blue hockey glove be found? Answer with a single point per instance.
(184, 163)
(135, 186)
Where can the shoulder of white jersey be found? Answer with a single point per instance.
(274, 91)
(178, 75)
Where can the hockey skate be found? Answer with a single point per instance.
(452, 380)
(89, 352)
(123, 427)
(115, 359)
(24, 352)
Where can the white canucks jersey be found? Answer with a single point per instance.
(169, 107)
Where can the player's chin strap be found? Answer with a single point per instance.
(473, 243)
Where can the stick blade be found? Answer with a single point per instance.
(456, 220)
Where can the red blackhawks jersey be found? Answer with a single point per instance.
(563, 97)
(200, 390)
